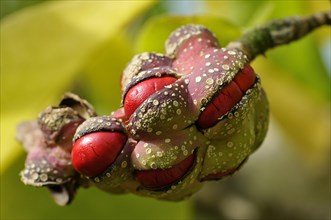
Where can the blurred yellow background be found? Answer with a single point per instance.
(50, 47)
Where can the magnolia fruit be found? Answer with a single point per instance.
(192, 115)
(48, 142)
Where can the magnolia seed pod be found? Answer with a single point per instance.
(48, 143)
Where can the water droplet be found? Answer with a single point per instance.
(155, 102)
(168, 140)
(209, 81)
(148, 150)
(198, 79)
(178, 111)
(219, 82)
(158, 132)
(153, 166)
(175, 126)
(208, 63)
(204, 101)
(34, 176)
(124, 163)
(229, 144)
(225, 67)
(43, 177)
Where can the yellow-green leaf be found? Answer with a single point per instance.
(102, 74)
(44, 47)
(303, 115)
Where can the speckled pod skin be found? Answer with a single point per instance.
(168, 126)
(48, 142)
(192, 115)
(142, 62)
(238, 134)
(184, 188)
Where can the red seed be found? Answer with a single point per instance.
(95, 152)
(156, 179)
(140, 92)
(246, 78)
(230, 95)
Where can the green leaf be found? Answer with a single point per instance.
(44, 47)
(302, 115)
(101, 76)
(154, 34)
(10, 6)
(92, 203)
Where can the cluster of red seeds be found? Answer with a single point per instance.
(182, 121)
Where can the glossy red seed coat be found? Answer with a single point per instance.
(156, 179)
(246, 78)
(229, 96)
(140, 92)
(95, 152)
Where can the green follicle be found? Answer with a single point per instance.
(53, 119)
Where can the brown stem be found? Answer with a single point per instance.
(278, 32)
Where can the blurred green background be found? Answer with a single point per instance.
(50, 47)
